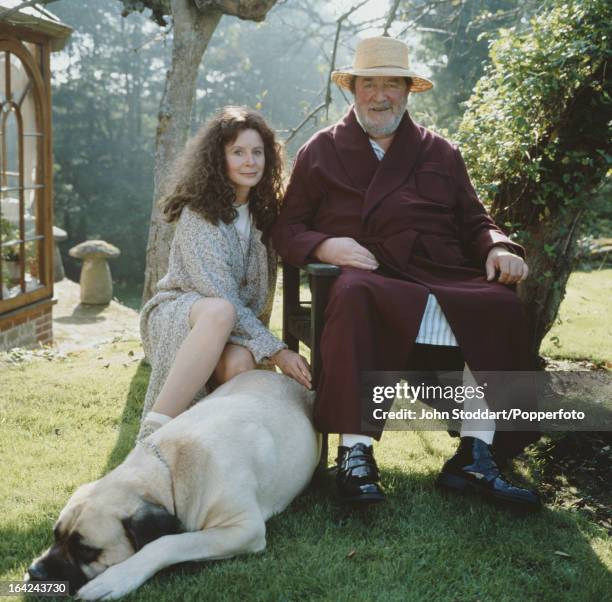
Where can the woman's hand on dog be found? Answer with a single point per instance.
(294, 365)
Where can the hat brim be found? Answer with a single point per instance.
(344, 77)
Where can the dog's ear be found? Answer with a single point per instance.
(150, 522)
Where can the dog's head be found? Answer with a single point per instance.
(99, 527)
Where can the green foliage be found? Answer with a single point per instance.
(8, 232)
(598, 222)
(107, 85)
(517, 133)
(454, 44)
(536, 135)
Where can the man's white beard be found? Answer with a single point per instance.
(379, 131)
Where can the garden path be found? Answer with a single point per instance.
(78, 326)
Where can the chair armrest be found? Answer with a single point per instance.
(322, 269)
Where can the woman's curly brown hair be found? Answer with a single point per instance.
(200, 180)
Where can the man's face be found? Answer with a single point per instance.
(380, 103)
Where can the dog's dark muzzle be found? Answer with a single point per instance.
(53, 566)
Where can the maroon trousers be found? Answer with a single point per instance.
(366, 329)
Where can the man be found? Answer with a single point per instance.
(391, 202)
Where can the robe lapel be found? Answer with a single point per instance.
(355, 152)
(396, 166)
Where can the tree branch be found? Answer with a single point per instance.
(328, 95)
(304, 121)
(251, 10)
(391, 16)
(154, 38)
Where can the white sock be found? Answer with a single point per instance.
(479, 429)
(150, 424)
(350, 440)
(157, 417)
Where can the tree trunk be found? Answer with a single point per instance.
(192, 31)
(551, 261)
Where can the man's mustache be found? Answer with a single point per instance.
(381, 107)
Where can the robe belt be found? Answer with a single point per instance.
(393, 251)
(397, 250)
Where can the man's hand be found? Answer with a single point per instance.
(512, 268)
(345, 252)
(293, 365)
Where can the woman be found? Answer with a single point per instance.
(210, 314)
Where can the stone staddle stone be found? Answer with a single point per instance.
(96, 282)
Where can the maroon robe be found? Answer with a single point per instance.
(418, 213)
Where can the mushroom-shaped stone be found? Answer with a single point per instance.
(96, 282)
(58, 267)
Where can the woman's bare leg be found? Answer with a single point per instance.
(212, 321)
(234, 360)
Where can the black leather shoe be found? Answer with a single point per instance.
(474, 469)
(357, 475)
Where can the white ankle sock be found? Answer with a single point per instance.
(150, 424)
(486, 436)
(157, 417)
(350, 440)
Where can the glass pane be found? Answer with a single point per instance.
(10, 184)
(11, 271)
(9, 221)
(9, 175)
(9, 226)
(11, 144)
(27, 107)
(3, 76)
(19, 79)
(32, 176)
(22, 262)
(33, 265)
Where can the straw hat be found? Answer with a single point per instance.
(381, 56)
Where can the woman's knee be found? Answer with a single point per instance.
(217, 311)
(234, 361)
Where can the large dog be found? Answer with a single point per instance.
(199, 488)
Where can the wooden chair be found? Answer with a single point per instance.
(303, 320)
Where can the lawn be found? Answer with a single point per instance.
(66, 421)
(583, 329)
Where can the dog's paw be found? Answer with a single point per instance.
(115, 582)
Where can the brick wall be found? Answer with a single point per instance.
(26, 328)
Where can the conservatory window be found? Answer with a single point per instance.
(22, 183)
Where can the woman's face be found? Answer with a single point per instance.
(245, 161)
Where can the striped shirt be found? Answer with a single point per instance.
(434, 328)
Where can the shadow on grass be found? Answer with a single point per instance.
(129, 422)
(574, 469)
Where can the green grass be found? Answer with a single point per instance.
(66, 422)
(583, 329)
